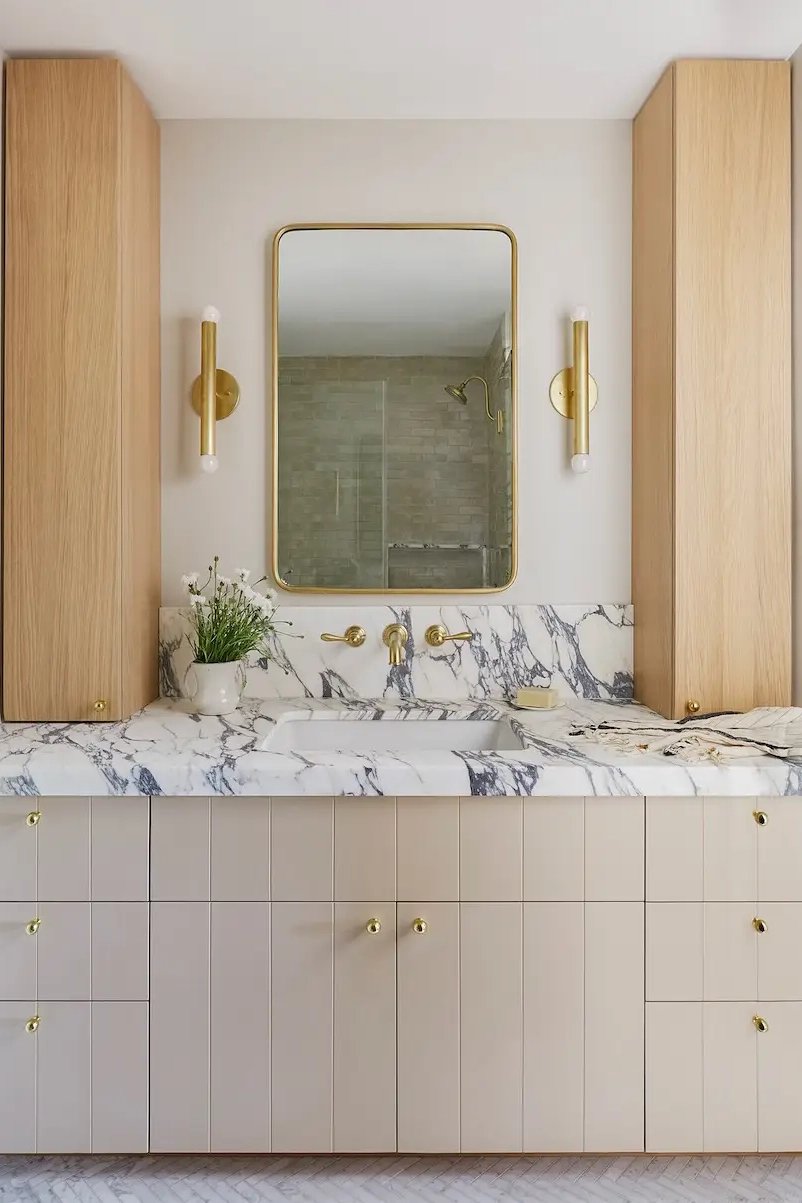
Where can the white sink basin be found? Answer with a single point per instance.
(393, 735)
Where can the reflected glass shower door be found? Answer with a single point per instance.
(331, 484)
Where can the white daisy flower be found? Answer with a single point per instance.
(190, 581)
(243, 574)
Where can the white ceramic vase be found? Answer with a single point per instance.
(215, 688)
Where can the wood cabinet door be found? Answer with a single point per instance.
(614, 1037)
(428, 1027)
(779, 1078)
(364, 1027)
(491, 1027)
(17, 1079)
(179, 1027)
(240, 1027)
(301, 982)
(553, 1030)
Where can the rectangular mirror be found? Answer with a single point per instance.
(394, 398)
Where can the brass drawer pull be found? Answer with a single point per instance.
(760, 817)
(760, 1023)
(33, 817)
(760, 925)
(373, 926)
(33, 927)
(100, 705)
(420, 926)
(32, 1024)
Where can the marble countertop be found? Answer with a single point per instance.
(165, 749)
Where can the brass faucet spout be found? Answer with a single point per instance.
(395, 637)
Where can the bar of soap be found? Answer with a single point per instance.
(537, 698)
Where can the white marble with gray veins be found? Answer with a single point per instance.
(165, 749)
(584, 651)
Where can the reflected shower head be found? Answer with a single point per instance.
(457, 391)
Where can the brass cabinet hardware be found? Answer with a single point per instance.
(395, 637)
(353, 636)
(760, 817)
(437, 635)
(373, 926)
(32, 1024)
(760, 1023)
(760, 925)
(33, 817)
(100, 705)
(420, 926)
(33, 927)
(692, 706)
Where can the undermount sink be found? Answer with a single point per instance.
(393, 735)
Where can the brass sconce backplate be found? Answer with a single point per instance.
(226, 391)
(561, 392)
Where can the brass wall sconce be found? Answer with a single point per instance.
(215, 393)
(573, 392)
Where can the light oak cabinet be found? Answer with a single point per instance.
(82, 392)
(711, 544)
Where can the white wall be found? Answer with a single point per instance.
(563, 187)
(796, 131)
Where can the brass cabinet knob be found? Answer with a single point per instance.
(420, 926)
(373, 926)
(100, 705)
(760, 925)
(760, 1023)
(760, 817)
(32, 1024)
(33, 927)
(354, 637)
(33, 817)
(437, 635)
(692, 706)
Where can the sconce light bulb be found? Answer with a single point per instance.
(580, 313)
(210, 314)
(580, 463)
(209, 463)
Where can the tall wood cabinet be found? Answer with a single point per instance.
(81, 556)
(711, 388)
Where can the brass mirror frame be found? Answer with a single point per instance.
(513, 416)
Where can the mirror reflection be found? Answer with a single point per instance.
(394, 408)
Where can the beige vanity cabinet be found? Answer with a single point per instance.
(723, 974)
(74, 975)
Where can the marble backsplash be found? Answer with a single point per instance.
(582, 650)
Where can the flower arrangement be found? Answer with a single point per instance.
(230, 618)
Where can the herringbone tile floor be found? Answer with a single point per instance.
(344, 1179)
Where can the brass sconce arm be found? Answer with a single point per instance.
(215, 393)
(573, 392)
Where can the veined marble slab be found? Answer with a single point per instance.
(165, 749)
(584, 651)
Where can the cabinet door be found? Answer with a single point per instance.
(779, 850)
(120, 951)
(364, 1028)
(779, 965)
(240, 849)
(674, 1077)
(491, 849)
(491, 1027)
(17, 1079)
(427, 834)
(63, 1078)
(364, 848)
(302, 849)
(428, 1028)
(554, 849)
(675, 942)
(119, 1077)
(63, 850)
(614, 849)
(179, 850)
(730, 1078)
(779, 1081)
(731, 945)
(17, 951)
(179, 1027)
(553, 1034)
(614, 1039)
(120, 849)
(63, 946)
(302, 967)
(18, 839)
(240, 1027)
(730, 849)
(701, 850)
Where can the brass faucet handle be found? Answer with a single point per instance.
(437, 635)
(354, 637)
(394, 637)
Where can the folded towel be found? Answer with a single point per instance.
(765, 731)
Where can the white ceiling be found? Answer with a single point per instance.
(400, 58)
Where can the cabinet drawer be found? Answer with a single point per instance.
(206, 849)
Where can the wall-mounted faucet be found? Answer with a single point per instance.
(395, 637)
